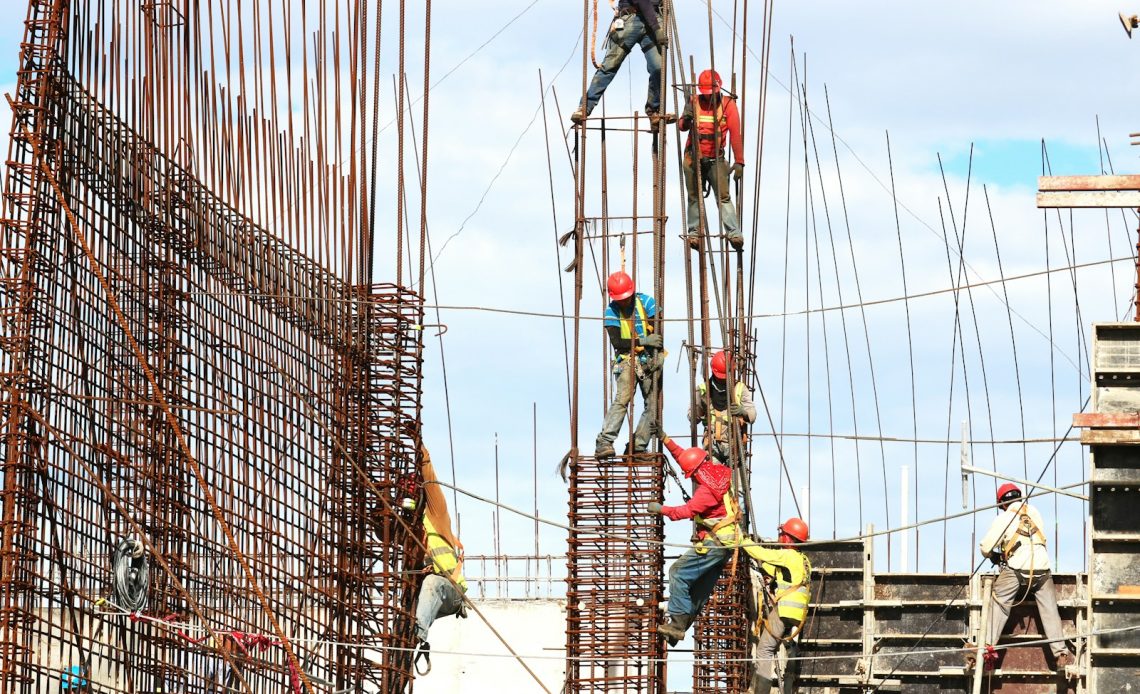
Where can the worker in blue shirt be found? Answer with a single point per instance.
(628, 321)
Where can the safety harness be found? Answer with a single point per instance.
(786, 589)
(711, 128)
(723, 531)
(1027, 529)
(627, 330)
(718, 422)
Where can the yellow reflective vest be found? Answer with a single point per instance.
(792, 572)
(717, 422)
(443, 558)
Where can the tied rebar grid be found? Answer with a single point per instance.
(297, 403)
(720, 636)
(614, 585)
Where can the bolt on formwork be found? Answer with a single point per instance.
(615, 563)
(177, 375)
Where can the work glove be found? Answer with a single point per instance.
(653, 341)
(661, 38)
(664, 439)
(654, 507)
(738, 171)
(702, 388)
(736, 410)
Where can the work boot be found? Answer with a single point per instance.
(674, 629)
(603, 450)
(578, 116)
(694, 240)
(1064, 660)
(763, 686)
(736, 239)
(655, 118)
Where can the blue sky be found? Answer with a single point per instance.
(1002, 76)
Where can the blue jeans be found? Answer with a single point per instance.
(715, 171)
(621, 42)
(693, 577)
(438, 598)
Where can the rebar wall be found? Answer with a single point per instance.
(195, 357)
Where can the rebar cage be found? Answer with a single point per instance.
(177, 374)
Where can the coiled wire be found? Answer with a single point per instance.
(130, 575)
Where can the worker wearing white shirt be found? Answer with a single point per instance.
(1016, 542)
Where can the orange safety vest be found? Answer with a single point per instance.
(712, 128)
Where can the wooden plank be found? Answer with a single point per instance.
(1111, 436)
(1091, 199)
(1114, 420)
(1055, 183)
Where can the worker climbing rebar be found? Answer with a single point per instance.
(717, 120)
(636, 23)
(443, 587)
(1016, 543)
(693, 576)
(637, 363)
(787, 593)
(713, 406)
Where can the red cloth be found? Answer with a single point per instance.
(706, 501)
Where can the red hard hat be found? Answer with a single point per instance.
(620, 286)
(691, 459)
(796, 529)
(709, 82)
(1008, 492)
(719, 365)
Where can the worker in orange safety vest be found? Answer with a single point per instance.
(717, 120)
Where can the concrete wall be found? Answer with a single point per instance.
(532, 627)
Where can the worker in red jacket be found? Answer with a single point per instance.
(693, 576)
(717, 120)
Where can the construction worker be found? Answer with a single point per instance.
(787, 575)
(637, 362)
(444, 586)
(638, 23)
(713, 406)
(716, 119)
(1015, 542)
(693, 576)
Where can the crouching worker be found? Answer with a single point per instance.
(693, 576)
(444, 586)
(787, 574)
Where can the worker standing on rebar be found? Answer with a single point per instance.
(637, 362)
(1015, 542)
(717, 119)
(713, 406)
(443, 589)
(637, 23)
(787, 574)
(693, 576)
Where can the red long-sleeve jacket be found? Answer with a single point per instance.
(705, 502)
